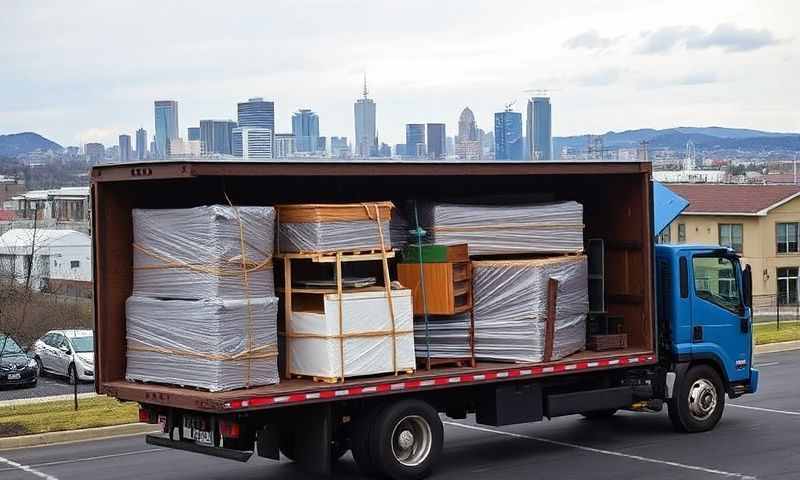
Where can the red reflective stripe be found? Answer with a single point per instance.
(445, 380)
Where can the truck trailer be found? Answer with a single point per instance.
(686, 310)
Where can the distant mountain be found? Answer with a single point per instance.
(26, 142)
(676, 139)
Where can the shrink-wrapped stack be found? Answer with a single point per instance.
(314, 228)
(194, 253)
(214, 344)
(203, 311)
(555, 227)
(444, 337)
(511, 307)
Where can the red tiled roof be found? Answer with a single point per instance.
(732, 198)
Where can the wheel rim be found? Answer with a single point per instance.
(702, 399)
(411, 440)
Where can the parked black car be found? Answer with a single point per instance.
(16, 368)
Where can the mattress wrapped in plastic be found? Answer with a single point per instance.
(195, 253)
(213, 344)
(555, 227)
(314, 228)
(444, 337)
(366, 345)
(511, 304)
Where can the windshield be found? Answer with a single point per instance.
(83, 344)
(8, 345)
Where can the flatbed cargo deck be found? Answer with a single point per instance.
(301, 391)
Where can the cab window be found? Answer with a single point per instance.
(715, 281)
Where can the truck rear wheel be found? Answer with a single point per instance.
(408, 437)
(698, 400)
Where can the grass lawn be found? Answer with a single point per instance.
(56, 416)
(770, 334)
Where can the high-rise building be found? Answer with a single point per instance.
(385, 151)
(284, 145)
(125, 148)
(257, 113)
(305, 128)
(451, 147)
(180, 148)
(166, 115)
(216, 137)
(193, 133)
(539, 129)
(339, 147)
(415, 136)
(252, 143)
(400, 150)
(322, 145)
(508, 136)
(467, 142)
(141, 144)
(366, 133)
(436, 141)
(95, 153)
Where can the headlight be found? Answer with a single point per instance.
(32, 363)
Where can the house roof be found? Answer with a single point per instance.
(733, 199)
(17, 238)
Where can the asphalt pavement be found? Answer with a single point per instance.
(756, 439)
(45, 387)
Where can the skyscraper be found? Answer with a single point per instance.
(366, 134)
(216, 136)
(252, 143)
(305, 128)
(284, 145)
(415, 139)
(508, 135)
(539, 129)
(166, 113)
(437, 141)
(95, 153)
(141, 144)
(468, 144)
(193, 133)
(125, 148)
(339, 147)
(258, 113)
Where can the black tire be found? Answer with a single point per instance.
(40, 366)
(702, 410)
(599, 414)
(72, 374)
(361, 440)
(408, 437)
(32, 384)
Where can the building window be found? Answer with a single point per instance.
(786, 237)
(681, 233)
(787, 285)
(74, 264)
(730, 235)
(665, 235)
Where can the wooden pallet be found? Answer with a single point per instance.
(334, 380)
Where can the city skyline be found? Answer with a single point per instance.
(720, 66)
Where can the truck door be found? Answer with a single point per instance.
(720, 318)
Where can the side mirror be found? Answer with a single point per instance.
(747, 286)
(65, 349)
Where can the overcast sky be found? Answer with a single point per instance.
(88, 70)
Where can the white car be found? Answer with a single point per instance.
(68, 353)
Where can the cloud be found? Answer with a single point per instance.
(665, 38)
(731, 38)
(698, 78)
(726, 36)
(600, 78)
(589, 39)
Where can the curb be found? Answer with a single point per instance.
(52, 398)
(76, 435)
(778, 347)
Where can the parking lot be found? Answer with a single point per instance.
(46, 387)
(756, 439)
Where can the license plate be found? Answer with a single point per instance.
(198, 429)
(14, 376)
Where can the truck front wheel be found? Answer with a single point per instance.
(697, 401)
(408, 437)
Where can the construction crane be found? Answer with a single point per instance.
(510, 105)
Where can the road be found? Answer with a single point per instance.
(45, 387)
(756, 439)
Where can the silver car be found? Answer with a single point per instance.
(68, 353)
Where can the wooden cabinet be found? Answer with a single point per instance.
(448, 286)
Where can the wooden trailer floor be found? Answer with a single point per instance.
(296, 391)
